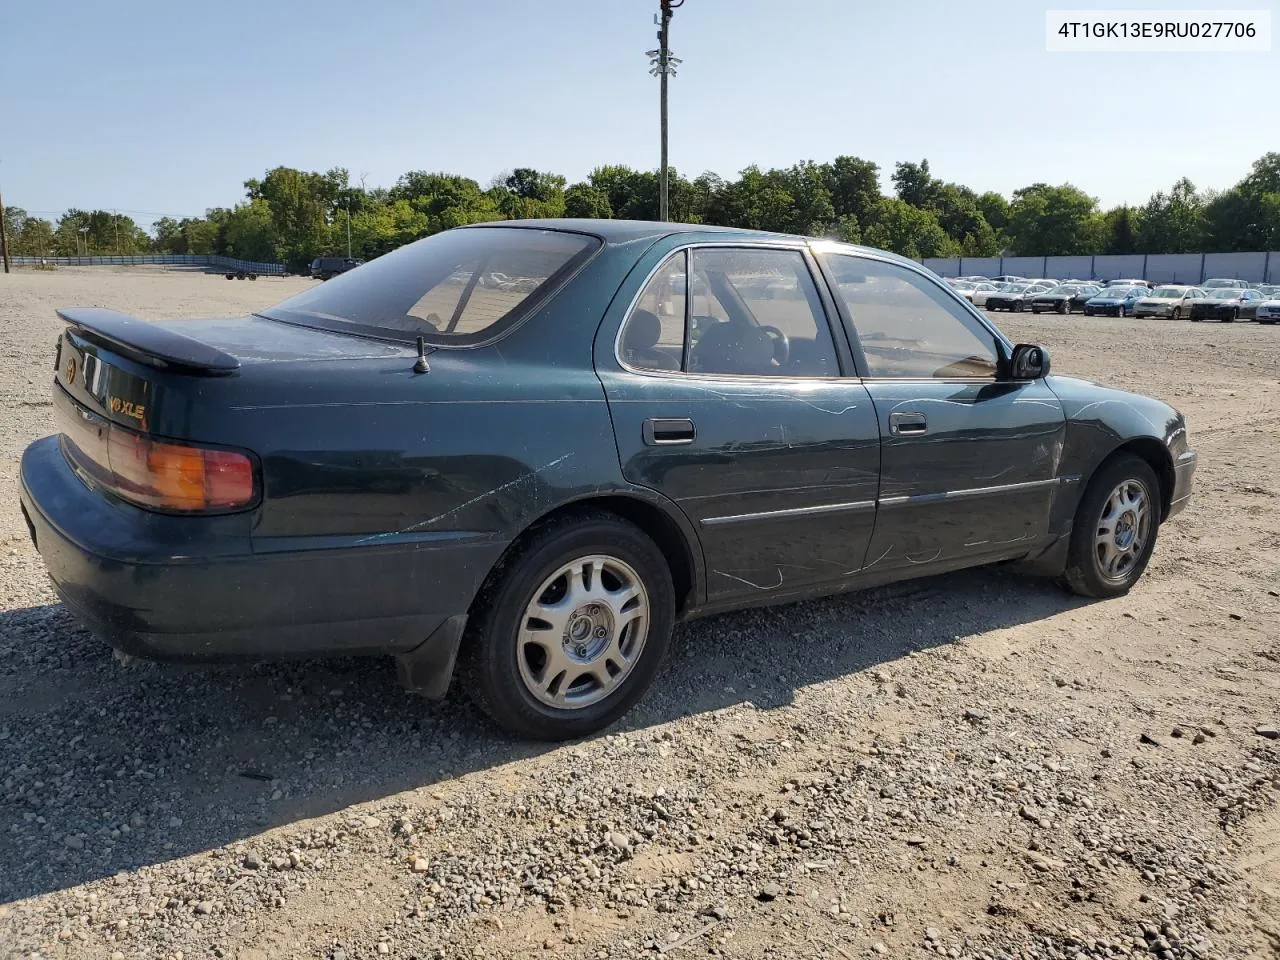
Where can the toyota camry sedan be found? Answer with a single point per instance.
(1169, 300)
(513, 456)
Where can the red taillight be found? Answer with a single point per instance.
(158, 473)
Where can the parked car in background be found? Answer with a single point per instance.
(1114, 301)
(984, 290)
(1219, 282)
(1226, 304)
(540, 489)
(1269, 310)
(1008, 278)
(1170, 300)
(324, 268)
(974, 290)
(977, 279)
(1066, 298)
(1012, 296)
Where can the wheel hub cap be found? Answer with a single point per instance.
(588, 633)
(1126, 530)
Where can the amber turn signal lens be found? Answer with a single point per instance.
(174, 476)
(157, 473)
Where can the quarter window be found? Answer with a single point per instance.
(654, 335)
(906, 326)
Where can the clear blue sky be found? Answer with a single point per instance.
(167, 107)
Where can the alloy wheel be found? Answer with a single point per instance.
(1123, 528)
(583, 632)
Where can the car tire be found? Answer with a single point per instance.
(1088, 312)
(1120, 312)
(503, 670)
(1102, 559)
(1064, 307)
(1035, 310)
(1017, 307)
(1177, 313)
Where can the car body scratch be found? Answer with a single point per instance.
(868, 566)
(929, 559)
(754, 586)
(523, 478)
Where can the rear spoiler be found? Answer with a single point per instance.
(149, 343)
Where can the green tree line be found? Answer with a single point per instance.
(292, 216)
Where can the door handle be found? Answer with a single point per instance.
(662, 433)
(908, 424)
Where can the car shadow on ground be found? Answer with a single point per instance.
(107, 767)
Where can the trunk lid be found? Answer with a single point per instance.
(123, 368)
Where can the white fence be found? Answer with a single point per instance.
(173, 259)
(1159, 267)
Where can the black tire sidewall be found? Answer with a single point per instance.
(1082, 572)
(490, 646)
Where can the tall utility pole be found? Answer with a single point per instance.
(4, 238)
(348, 228)
(664, 65)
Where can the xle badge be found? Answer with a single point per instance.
(135, 410)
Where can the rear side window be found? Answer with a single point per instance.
(750, 312)
(455, 288)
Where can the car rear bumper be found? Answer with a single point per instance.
(193, 588)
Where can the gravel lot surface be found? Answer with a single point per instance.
(977, 765)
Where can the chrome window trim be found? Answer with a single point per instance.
(791, 512)
(817, 248)
(798, 245)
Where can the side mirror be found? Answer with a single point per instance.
(1029, 362)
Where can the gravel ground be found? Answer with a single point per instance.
(977, 765)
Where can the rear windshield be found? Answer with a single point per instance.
(455, 288)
